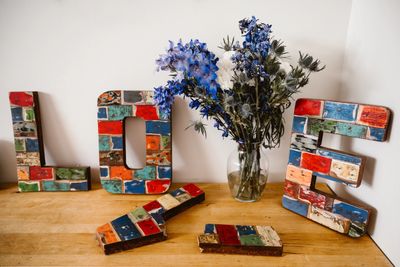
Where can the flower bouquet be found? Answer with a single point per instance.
(245, 93)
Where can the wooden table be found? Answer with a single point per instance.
(53, 229)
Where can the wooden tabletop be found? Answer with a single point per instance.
(54, 229)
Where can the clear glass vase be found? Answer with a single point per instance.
(247, 171)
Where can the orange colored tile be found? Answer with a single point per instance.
(108, 234)
(23, 172)
(120, 172)
(152, 142)
(298, 175)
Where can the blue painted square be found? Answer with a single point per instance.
(246, 230)
(135, 187)
(299, 124)
(32, 145)
(351, 212)
(209, 229)
(158, 127)
(125, 229)
(340, 111)
(295, 206)
(376, 134)
(177, 192)
(102, 113)
(117, 142)
(164, 172)
(294, 157)
(339, 156)
(104, 172)
(79, 186)
(16, 114)
(158, 217)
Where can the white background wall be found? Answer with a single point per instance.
(71, 51)
(371, 75)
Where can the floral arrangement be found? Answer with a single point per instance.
(245, 92)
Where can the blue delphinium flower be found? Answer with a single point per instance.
(192, 65)
(258, 86)
(256, 46)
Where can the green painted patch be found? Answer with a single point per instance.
(357, 229)
(139, 214)
(71, 174)
(251, 240)
(112, 186)
(29, 114)
(19, 145)
(55, 186)
(165, 141)
(28, 187)
(104, 143)
(351, 130)
(119, 112)
(147, 173)
(314, 126)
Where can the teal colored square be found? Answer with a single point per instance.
(147, 173)
(117, 113)
(104, 143)
(112, 186)
(351, 130)
(55, 186)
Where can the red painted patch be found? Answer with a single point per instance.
(110, 127)
(22, 99)
(148, 227)
(308, 107)
(291, 189)
(40, 173)
(315, 163)
(154, 205)
(157, 186)
(227, 234)
(146, 112)
(314, 198)
(373, 116)
(193, 190)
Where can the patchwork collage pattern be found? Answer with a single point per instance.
(32, 173)
(116, 177)
(308, 160)
(240, 239)
(146, 225)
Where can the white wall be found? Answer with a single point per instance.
(71, 51)
(371, 75)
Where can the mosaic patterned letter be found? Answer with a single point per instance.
(240, 239)
(308, 160)
(32, 173)
(115, 175)
(146, 225)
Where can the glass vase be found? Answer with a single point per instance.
(247, 172)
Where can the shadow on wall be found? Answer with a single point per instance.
(8, 163)
(58, 145)
(369, 174)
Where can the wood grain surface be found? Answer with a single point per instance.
(58, 229)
